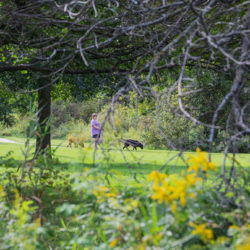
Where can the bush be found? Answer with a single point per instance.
(86, 211)
(19, 129)
(17, 230)
(172, 213)
(59, 114)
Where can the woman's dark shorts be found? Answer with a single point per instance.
(96, 136)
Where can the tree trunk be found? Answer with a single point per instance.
(43, 141)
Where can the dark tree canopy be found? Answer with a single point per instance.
(204, 44)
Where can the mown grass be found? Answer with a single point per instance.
(139, 162)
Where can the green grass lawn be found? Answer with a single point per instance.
(139, 162)
(62, 192)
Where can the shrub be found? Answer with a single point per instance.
(88, 211)
(17, 230)
(172, 213)
(19, 129)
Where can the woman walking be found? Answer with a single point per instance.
(95, 129)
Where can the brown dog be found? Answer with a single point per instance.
(75, 140)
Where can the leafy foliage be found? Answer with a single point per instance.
(88, 211)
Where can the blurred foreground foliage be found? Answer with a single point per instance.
(43, 208)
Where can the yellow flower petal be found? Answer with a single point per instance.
(114, 242)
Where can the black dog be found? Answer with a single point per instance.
(132, 143)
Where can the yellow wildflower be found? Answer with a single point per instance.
(2, 193)
(195, 167)
(130, 204)
(100, 189)
(234, 227)
(182, 199)
(192, 179)
(245, 245)
(102, 192)
(99, 192)
(173, 207)
(114, 242)
(157, 176)
(171, 188)
(169, 193)
(119, 227)
(109, 195)
(222, 240)
(177, 192)
(37, 222)
(192, 195)
(206, 234)
(200, 161)
(195, 161)
(211, 166)
(161, 194)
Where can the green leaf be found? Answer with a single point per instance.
(154, 216)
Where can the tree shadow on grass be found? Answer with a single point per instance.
(123, 168)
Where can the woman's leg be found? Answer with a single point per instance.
(96, 142)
